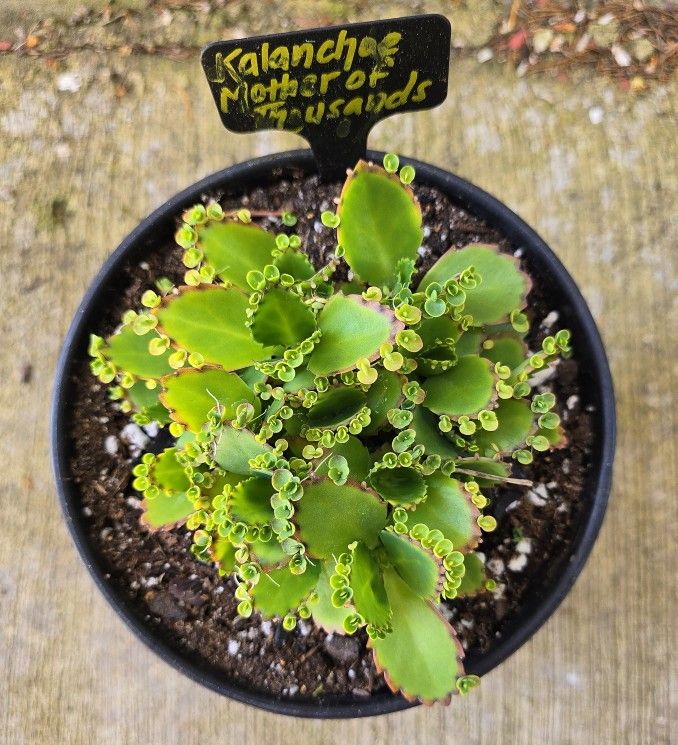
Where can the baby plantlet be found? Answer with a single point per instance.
(333, 449)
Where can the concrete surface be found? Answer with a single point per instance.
(84, 158)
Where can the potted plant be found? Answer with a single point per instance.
(333, 421)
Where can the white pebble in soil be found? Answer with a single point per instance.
(572, 401)
(496, 566)
(498, 592)
(550, 319)
(518, 563)
(266, 627)
(134, 437)
(151, 429)
(538, 495)
(233, 647)
(524, 546)
(111, 444)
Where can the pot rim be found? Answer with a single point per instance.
(474, 200)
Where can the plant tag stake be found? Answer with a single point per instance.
(330, 85)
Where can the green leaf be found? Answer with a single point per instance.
(171, 506)
(436, 331)
(448, 508)
(235, 447)
(219, 480)
(129, 352)
(269, 553)
(166, 510)
(357, 455)
(330, 517)
(508, 349)
(280, 591)
(211, 322)
(474, 577)
(380, 223)
(282, 318)
(168, 473)
(351, 328)
(426, 426)
(251, 376)
(503, 287)
(234, 249)
(556, 437)
(251, 501)
(303, 379)
(515, 424)
(367, 583)
(465, 389)
(331, 619)
(296, 264)
(437, 360)
(146, 400)
(417, 566)
(383, 395)
(223, 554)
(421, 657)
(468, 342)
(190, 395)
(336, 406)
(399, 486)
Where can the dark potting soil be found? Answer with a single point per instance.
(194, 609)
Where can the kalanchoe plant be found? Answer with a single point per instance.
(333, 440)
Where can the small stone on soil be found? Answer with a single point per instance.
(135, 438)
(550, 319)
(518, 563)
(343, 649)
(524, 546)
(572, 401)
(111, 444)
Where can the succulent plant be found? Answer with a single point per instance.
(332, 440)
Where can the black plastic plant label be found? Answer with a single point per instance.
(331, 85)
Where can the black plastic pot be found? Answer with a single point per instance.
(158, 229)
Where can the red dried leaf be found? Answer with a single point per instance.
(517, 41)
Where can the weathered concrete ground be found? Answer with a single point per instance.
(84, 157)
